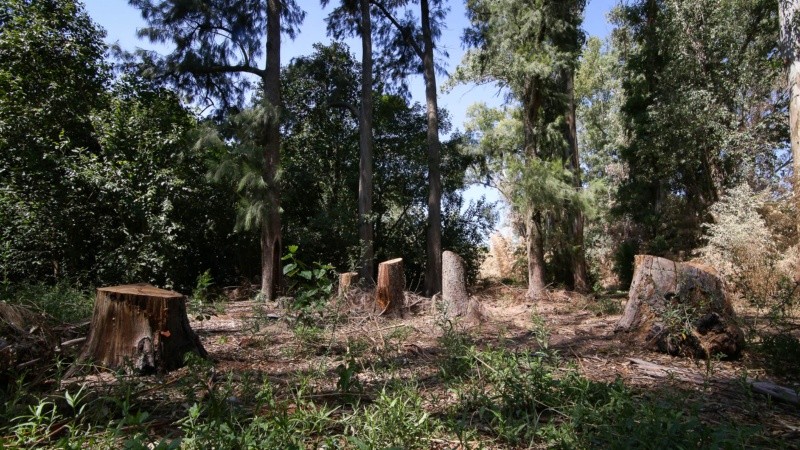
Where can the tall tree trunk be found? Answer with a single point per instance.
(271, 227)
(365, 230)
(790, 45)
(433, 272)
(534, 238)
(575, 220)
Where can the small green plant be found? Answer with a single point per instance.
(395, 420)
(349, 385)
(311, 285)
(202, 305)
(781, 354)
(457, 360)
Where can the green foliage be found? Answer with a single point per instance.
(312, 285)
(781, 352)
(51, 80)
(395, 420)
(521, 401)
(320, 166)
(704, 109)
(62, 302)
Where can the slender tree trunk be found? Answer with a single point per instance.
(365, 229)
(271, 228)
(433, 272)
(790, 45)
(577, 253)
(534, 238)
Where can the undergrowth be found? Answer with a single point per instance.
(482, 396)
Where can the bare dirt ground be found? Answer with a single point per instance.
(253, 338)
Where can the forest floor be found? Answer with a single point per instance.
(347, 361)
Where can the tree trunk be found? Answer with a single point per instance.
(454, 285)
(790, 46)
(365, 230)
(391, 283)
(534, 238)
(534, 244)
(271, 226)
(433, 268)
(575, 218)
(680, 309)
(346, 281)
(139, 328)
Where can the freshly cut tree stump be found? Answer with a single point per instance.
(454, 285)
(139, 328)
(346, 281)
(389, 295)
(680, 309)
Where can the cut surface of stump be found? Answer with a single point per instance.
(139, 328)
(680, 309)
(389, 295)
(454, 285)
(346, 281)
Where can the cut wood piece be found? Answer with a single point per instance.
(454, 285)
(346, 281)
(139, 328)
(772, 390)
(389, 295)
(680, 309)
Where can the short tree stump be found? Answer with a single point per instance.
(141, 329)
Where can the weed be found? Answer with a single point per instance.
(395, 420)
(456, 361)
(312, 285)
(781, 353)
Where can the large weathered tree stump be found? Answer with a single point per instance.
(141, 329)
(346, 281)
(455, 298)
(389, 295)
(680, 309)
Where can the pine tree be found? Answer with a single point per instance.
(216, 43)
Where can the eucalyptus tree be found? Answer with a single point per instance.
(349, 18)
(407, 46)
(218, 45)
(530, 49)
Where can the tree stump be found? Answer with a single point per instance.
(389, 295)
(139, 328)
(680, 309)
(346, 281)
(454, 285)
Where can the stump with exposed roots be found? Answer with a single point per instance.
(139, 328)
(680, 309)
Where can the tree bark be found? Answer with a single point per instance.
(365, 230)
(790, 46)
(389, 295)
(575, 218)
(433, 269)
(454, 285)
(680, 309)
(346, 281)
(139, 328)
(534, 238)
(271, 226)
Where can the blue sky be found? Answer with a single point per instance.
(121, 22)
